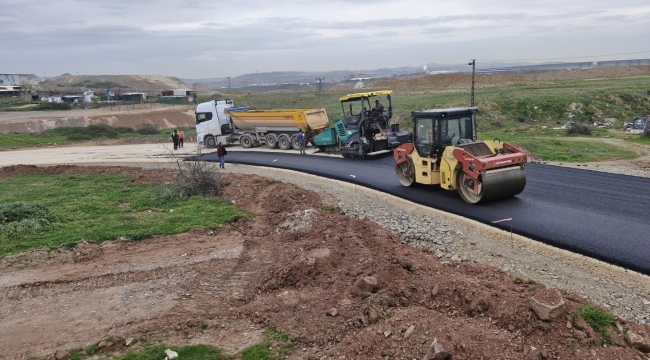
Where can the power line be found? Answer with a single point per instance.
(572, 57)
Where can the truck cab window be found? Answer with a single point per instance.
(201, 117)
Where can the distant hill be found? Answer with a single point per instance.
(131, 82)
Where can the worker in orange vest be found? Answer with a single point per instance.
(180, 138)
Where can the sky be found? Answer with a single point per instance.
(220, 38)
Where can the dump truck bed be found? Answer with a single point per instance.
(305, 119)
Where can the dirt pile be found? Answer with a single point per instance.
(339, 287)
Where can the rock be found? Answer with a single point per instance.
(311, 261)
(366, 284)
(170, 354)
(409, 331)
(332, 312)
(387, 333)
(638, 342)
(129, 341)
(547, 304)
(434, 291)
(436, 352)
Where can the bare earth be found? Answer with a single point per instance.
(294, 267)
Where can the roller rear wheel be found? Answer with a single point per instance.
(405, 173)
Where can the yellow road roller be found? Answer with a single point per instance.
(444, 151)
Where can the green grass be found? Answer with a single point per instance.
(87, 207)
(598, 319)
(276, 346)
(193, 352)
(63, 135)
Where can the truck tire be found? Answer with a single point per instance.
(272, 141)
(294, 143)
(284, 141)
(246, 141)
(210, 142)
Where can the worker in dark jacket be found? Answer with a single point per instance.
(301, 140)
(221, 154)
(175, 139)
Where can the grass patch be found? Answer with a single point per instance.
(329, 208)
(192, 352)
(86, 207)
(598, 319)
(276, 346)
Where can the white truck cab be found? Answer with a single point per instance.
(213, 126)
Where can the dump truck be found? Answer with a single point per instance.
(445, 152)
(365, 128)
(219, 121)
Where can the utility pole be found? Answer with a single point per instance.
(473, 63)
(319, 86)
(228, 77)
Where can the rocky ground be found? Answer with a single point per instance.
(346, 272)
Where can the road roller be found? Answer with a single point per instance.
(444, 151)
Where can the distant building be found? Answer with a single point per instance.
(6, 91)
(133, 96)
(178, 96)
(13, 79)
(72, 99)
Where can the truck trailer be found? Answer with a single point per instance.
(219, 121)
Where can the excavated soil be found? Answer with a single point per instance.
(295, 267)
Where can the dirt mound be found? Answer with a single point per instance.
(133, 82)
(339, 287)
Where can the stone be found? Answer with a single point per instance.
(170, 354)
(638, 342)
(436, 352)
(311, 261)
(434, 291)
(129, 341)
(409, 331)
(387, 333)
(366, 284)
(332, 312)
(548, 310)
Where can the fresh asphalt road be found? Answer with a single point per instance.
(601, 215)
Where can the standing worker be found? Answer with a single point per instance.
(175, 139)
(221, 154)
(180, 138)
(301, 140)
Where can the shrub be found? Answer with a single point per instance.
(406, 264)
(197, 178)
(147, 129)
(19, 218)
(579, 129)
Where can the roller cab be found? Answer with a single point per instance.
(445, 152)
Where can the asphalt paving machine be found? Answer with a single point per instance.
(445, 152)
(365, 128)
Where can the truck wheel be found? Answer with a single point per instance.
(294, 143)
(272, 141)
(210, 141)
(246, 142)
(284, 142)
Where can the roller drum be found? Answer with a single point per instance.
(495, 185)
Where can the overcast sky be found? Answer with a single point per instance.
(219, 38)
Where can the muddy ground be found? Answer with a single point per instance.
(295, 267)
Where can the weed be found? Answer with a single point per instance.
(598, 319)
(532, 288)
(365, 295)
(519, 280)
(204, 326)
(193, 352)
(489, 285)
(389, 301)
(275, 346)
(329, 208)
(406, 264)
